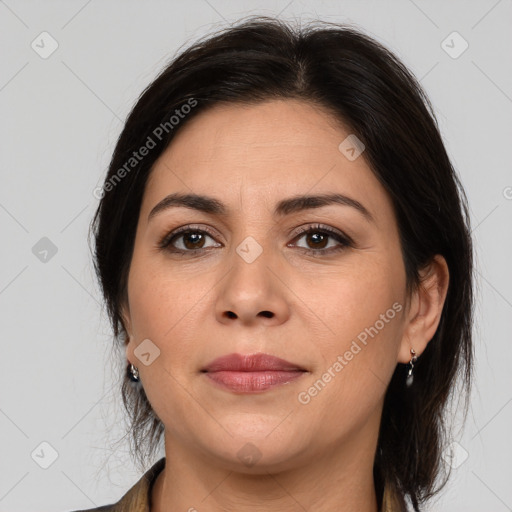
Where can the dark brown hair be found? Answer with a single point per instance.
(341, 70)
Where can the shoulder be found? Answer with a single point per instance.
(104, 508)
(138, 497)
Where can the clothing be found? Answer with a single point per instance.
(138, 497)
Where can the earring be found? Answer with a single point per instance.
(410, 378)
(133, 373)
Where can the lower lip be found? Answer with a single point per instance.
(253, 382)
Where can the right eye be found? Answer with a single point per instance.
(191, 240)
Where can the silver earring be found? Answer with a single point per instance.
(133, 373)
(410, 378)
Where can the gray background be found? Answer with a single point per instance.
(60, 117)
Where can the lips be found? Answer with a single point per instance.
(251, 363)
(251, 373)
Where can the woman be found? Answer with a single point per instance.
(285, 255)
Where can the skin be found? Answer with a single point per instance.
(315, 456)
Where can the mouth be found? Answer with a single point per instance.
(251, 373)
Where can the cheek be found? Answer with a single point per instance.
(160, 298)
(163, 307)
(168, 308)
(362, 314)
(353, 300)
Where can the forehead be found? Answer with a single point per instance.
(263, 152)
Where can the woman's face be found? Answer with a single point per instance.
(245, 281)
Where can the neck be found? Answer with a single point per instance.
(339, 479)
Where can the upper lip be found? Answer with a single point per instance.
(250, 363)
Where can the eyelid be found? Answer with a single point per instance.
(325, 228)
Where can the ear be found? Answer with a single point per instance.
(127, 323)
(426, 306)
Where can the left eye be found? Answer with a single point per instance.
(319, 238)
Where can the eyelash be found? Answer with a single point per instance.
(344, 240)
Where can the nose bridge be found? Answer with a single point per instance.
(255, 225)
(251, 288)
(251, 262)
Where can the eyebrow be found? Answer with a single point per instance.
(284, 207)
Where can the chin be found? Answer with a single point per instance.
(255, 451)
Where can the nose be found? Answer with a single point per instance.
(253, 292)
